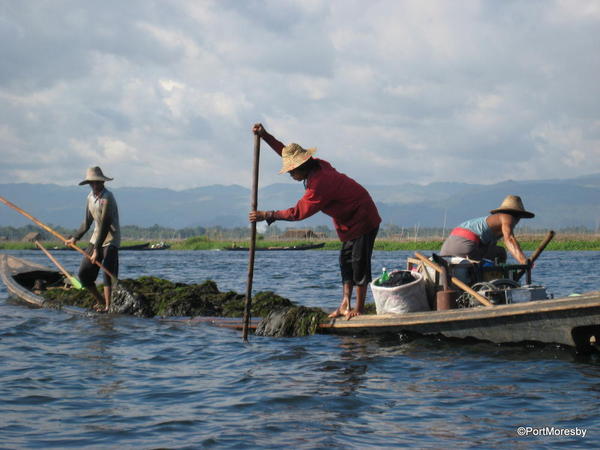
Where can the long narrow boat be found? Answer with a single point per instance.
(571, 321)
(290, 247)
(144, 246)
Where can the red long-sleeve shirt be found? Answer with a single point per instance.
(348, 203)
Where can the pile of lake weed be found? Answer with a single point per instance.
(262, 304)
(295, 321)
(153, 296)
(58, 296)
(291, 322)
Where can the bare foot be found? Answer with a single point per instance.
(352, 313)
(338, 313)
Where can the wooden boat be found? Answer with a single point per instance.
(292, 247)
(20, 277)
(570, 321)
(144, 246)
(159, 246)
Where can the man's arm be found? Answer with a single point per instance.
(276, 145)
(308, 205)
(508, 223)
(104, 224)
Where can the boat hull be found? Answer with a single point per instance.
(18, 274)
(568, 321)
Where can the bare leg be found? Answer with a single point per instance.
(344, 307)
(361, 294)
(107, 294)
(99, 300)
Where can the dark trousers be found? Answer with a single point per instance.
(355, 259)
(88, 272)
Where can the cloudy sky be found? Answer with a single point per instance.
(164, 93)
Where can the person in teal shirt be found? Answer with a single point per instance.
(476, 238)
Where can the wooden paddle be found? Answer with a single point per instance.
(455, 281)
(57, 235)
(74, 281)
(537, 253)
(251, 250)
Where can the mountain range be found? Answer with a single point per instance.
(558, 203)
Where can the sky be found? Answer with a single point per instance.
(165, 93)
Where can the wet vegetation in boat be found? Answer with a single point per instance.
(151, 296)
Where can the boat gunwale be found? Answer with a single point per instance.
(583, 301)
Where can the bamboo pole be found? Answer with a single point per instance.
(537, 253)
(74, 281)
(251, 250)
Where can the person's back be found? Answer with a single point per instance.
(476, 238)
(347, 202)
(481, 227)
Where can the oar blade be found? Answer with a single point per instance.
(75, 283)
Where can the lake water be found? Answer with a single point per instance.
(123, 382)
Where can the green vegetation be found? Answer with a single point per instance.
(570, 245)
(197, 243)
(11, 245)
(203, 243)
(528, 244)
(413, 245)
(390, 236)
(52, 245)
(150, 296)
(291, 321)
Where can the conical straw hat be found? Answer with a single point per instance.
(293, 156)
(513, 204)
(94, 174)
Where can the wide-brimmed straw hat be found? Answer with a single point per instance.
(293, 156)
(513, 205)
(94, 174)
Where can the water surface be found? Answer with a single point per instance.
(109, 381)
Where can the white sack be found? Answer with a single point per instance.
(409, 297)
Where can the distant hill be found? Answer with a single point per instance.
(557, 203)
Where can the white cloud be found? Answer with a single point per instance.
(571, 146)
(165, 93)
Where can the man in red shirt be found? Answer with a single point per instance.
(352, 209)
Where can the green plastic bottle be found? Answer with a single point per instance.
(385, 276)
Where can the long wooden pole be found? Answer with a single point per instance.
(74, 281)
(55, 234)
(455, 281)
(252, 249)
(537, 252)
